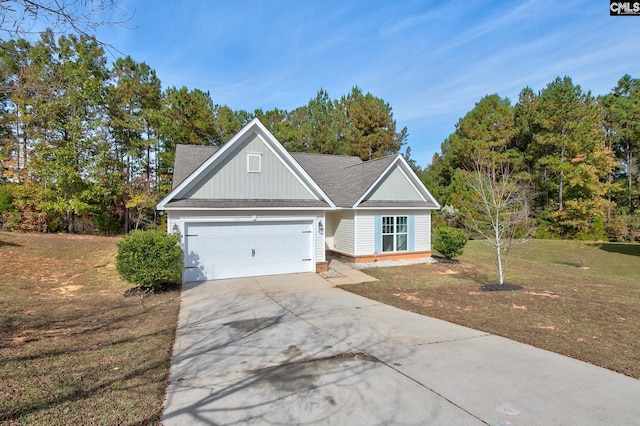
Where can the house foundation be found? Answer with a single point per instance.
(378, 257)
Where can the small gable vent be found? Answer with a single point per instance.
(254, 163)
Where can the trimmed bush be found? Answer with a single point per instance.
(449, 241)
(150, 259)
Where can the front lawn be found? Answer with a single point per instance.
(578, 299)
(73, 348)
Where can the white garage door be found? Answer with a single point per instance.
(230, 250)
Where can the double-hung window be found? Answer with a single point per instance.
(394, 233)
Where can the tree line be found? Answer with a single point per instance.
(88, 146)
(575, 154)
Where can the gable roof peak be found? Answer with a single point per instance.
(229, 149)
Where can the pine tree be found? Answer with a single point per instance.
(571, 157)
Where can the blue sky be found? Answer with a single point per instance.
(430, 60)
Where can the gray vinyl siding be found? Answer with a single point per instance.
(365, 230)
(396, 187)
(344, 235)
(231, 180)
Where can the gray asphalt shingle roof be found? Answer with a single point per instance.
(344, 179)
(187, 160)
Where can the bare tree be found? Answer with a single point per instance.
(23, 17)
(498, 211)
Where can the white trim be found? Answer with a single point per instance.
(227, 219)
(395, 233)
(396, 208)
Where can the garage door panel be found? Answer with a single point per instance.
(225, 250)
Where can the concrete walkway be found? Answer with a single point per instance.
(340, 273)
(292, 349)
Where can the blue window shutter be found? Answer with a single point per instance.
(378, 233)
(411, 232)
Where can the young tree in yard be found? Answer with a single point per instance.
(487, 131)
(498, 211)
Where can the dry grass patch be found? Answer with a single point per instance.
(73, 348)
(590, 314)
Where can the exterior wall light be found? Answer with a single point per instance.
(320, 227)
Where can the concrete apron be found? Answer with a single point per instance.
(291, 349)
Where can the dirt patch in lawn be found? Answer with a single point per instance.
(589, 314)
(73, 348)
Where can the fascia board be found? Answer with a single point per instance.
(396, 208)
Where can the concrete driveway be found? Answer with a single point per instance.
(291, 349)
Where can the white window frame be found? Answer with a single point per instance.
(392, 226)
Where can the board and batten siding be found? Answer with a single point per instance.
(396, 187)
(231, 180)
(365, 229)
(176, 221)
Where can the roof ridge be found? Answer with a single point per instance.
(324, 155)
(372, 161)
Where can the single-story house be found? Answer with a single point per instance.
(251, 208)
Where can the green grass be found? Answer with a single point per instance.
(73, 348)
(579, 299)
